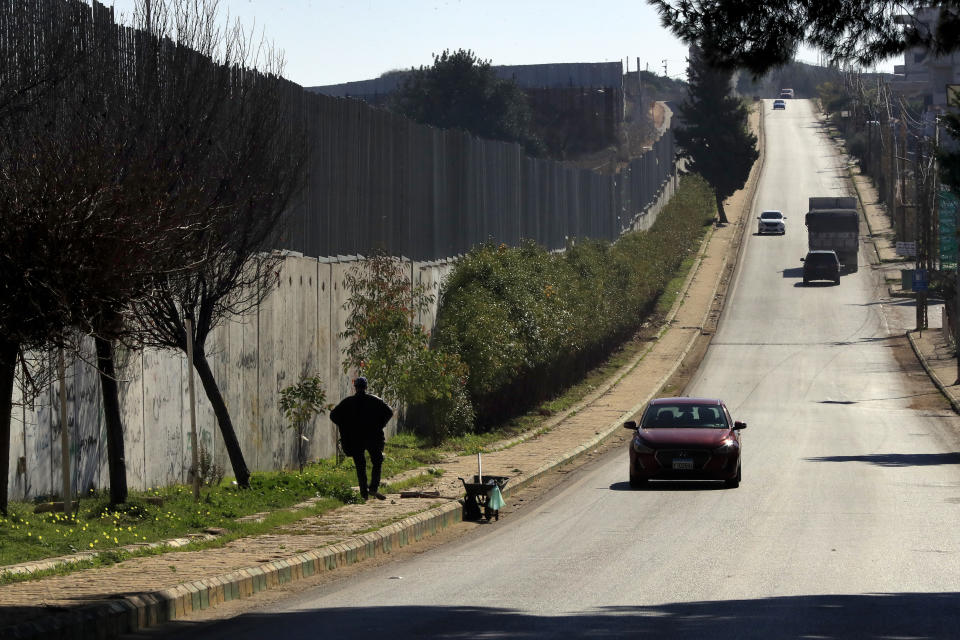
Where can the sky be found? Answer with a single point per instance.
(334, 41)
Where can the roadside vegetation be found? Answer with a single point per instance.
(715, 137)
(580, 286)
(529, 323)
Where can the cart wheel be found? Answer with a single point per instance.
(471, 511)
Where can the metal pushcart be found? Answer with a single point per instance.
(476, 504)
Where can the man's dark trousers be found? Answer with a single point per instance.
(375, 447)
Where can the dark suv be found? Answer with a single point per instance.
(821, 265)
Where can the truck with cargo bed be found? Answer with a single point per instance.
(833, 224)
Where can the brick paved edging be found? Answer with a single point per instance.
(137, 612)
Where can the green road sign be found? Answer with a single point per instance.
(948, 204)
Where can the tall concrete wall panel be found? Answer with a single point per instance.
(248, 392)
(296, 330)
(38, 444)
(269, 363)
(324, 436)
(88, 413)
(378, 181)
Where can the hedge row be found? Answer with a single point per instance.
(529, 323)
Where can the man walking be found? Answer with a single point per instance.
(361, 419)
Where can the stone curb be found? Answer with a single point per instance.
(950, 396)
(137, 612)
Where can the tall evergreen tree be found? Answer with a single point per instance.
(714, 137)
(759, 35)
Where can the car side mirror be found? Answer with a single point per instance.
(630, 424)
(739, 425)
(784, 217)
(803, 259)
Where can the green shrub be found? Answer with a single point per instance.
(393, 352)
(300, 404)
(527, 323)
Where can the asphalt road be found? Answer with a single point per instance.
(845, 525)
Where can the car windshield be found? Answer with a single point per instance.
(681, 416)
(821, 258)
(771, 215)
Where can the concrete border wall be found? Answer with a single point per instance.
(296, 330)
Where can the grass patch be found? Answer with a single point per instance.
(674, 286)
(109, 557)
(416, 481)
(97, 526)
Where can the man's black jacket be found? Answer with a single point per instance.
(361, 419)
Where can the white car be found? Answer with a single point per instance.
(771, 222)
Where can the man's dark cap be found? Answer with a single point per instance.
(360, 383)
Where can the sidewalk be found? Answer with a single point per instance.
(933, 347)
(147, 591)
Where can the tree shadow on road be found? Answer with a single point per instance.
(872, 615)
(896, 459)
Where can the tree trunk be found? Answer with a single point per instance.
(240, 471)
(8, 370)
(111, 417)
(720, 211)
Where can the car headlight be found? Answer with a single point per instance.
(729, 446)
(639, 446)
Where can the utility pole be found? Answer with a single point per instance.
(921, 213)
(665, 74)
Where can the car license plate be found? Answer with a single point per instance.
(683, 463)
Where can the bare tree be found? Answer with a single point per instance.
(243, 184)
(39, 193)
(109, 178)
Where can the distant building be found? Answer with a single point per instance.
(923, 75)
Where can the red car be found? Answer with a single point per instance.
(685, 439)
